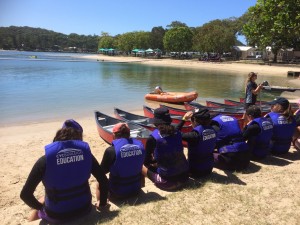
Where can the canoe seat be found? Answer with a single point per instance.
(135, 133)
(139, 121)
(109, 128)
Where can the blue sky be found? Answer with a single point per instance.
(115, 16)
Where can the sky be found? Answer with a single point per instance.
(91, 17)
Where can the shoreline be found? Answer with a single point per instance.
(239, 67)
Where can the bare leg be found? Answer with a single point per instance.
(34, 214)
(144, 171)
(97, 192)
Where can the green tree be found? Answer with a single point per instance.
(216, 36)
(125, 42)
(176, 24)
(106, 41)
(156, 37)
(274, 23)
(178, 39)
(28, 38)
(131, 40)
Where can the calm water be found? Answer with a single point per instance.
(59, 85)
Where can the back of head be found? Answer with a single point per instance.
(201, 117)
(162, 120)
(71, 130)
(121, 130)
(158, 90)
(253, 111)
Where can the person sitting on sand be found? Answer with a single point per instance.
(201, 142)
(258, 132)
(284, 125)
(296, 136)
(233, 152)
(165, 163)
(123, 160)
(64, 170)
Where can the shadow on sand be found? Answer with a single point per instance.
(274, 160)
(142, 198)
(228, 178)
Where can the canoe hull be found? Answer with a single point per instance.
(173, 97)
(105, 124)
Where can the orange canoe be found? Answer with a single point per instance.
(173, 97)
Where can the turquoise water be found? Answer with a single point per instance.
(56, 85)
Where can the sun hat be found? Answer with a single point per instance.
(281, 101)
(161, 116)
(121, 127)
(72, 123)
(201, 114)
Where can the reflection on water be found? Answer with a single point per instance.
(34, 90)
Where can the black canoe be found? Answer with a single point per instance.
(143, 120)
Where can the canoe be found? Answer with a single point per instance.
(143, 120)
(218, 105)
(213, 111)
(106, 123)
(149, 112)
(237, 112)
(241, 102)
(279, 89)
(264, 107)
(134, 118)
(172, 97)
(294, 105)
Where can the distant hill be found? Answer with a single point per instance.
(38, 39)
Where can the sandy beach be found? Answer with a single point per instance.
(267, 193)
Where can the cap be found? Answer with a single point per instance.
(72, 123)
(161, 116)
(201, 113)
(281, 101)
(121, 127)
(158, 87)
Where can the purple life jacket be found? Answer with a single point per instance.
(68, 169)
(229, 137)
(260, 144)
(125, 174)
(283, 131)
(169, 154)
(200, 156)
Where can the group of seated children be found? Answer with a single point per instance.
(215, 141)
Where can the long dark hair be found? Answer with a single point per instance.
(67, 133)
(250, 76)
(203, 122)
(166, 129)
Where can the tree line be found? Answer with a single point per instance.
(37, 39)
(274, 23)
